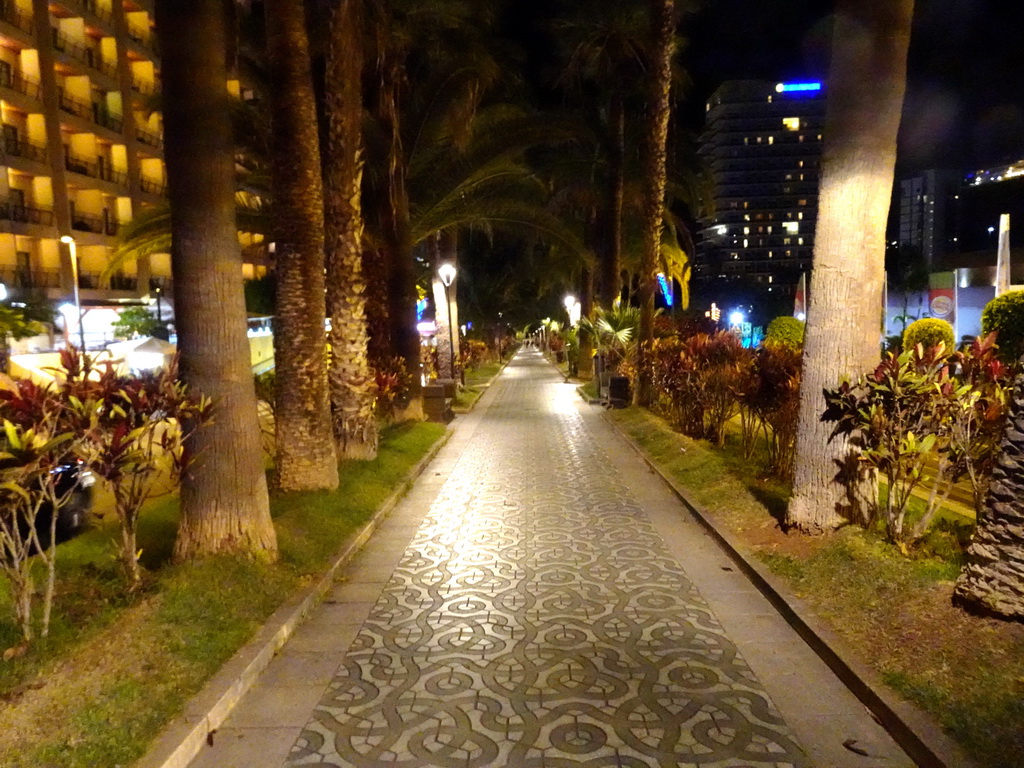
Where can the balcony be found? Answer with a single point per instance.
(25, 149)
(92, 111)
(92, 7)
(83, 54)
(153, 187)
(18, 82)
(95, 170)
(143, 35)
(13, 15)
(98, 225)
(143, 89)
(25, 214)
(19, 277)
(149, 138)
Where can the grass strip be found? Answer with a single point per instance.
(115, 671)
(894, 612)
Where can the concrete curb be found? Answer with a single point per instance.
(183, 738)
(913, 729)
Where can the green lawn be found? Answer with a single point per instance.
(115, 670)
(894, 612)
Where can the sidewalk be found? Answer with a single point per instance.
(541, 599)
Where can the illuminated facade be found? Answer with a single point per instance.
(82, 146)
(762, 145)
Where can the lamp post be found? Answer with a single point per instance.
(73, 248)
(447, 274)
(573, 308)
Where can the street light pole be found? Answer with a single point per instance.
(73, 248)
(447, 274)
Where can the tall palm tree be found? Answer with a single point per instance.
(992, 582)
(224, 500)
(306, 459)
(659, 111)
(351, 380)
(866, 83)
(607, 55)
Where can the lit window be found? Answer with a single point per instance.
(771, 278)
(746, 230)
(801, 164)
(799, 241)
(801, 201)
(746, 243)
(791, 227)
(746, 217)
(791, 123)
(800, 215)
(735, 255)
(771, 139)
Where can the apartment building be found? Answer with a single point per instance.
(81, 146)
(762, 144)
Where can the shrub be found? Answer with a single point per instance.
(928, 332)
(1004, 315)
(786, 330)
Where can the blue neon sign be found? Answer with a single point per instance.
(666, 289)
(798, 87)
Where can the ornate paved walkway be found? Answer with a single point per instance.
(543, 615)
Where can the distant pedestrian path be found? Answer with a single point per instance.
(537, 618)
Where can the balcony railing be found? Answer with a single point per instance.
(96, 170)
(99, 225)
(26, 149)
(26, 214)
(146, 89)
(153, 187)
(93, 111)
(13, 15)
(18, 82)
(144, 36)
(96, 10)
(19, 277)
(148, 138)
(83, 54)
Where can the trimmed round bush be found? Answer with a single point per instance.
(928, 332)
(1005, 315)
(786, 330)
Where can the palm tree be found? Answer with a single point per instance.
(992, 582)
(306, 459)
(607, 56)
(866, 84)
(351, 380)
(659, 111)
(224, 500)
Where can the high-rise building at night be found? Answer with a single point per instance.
(927, 214)
(82, 148)
(762, 144)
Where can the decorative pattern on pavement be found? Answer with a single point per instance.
(537, 620)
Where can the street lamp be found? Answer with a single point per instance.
(447, 274)
(73, 248)
(573, 309)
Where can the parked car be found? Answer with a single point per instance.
(75, 482)
(75, 485)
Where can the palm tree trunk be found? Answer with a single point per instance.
(992, 582)
(401, 275)
(352, 383)
(611, 275)
(585, 366)
(866, 84)
(660, 109)
(224, 502)
(306, 459)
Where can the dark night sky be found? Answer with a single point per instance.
(965, 98)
